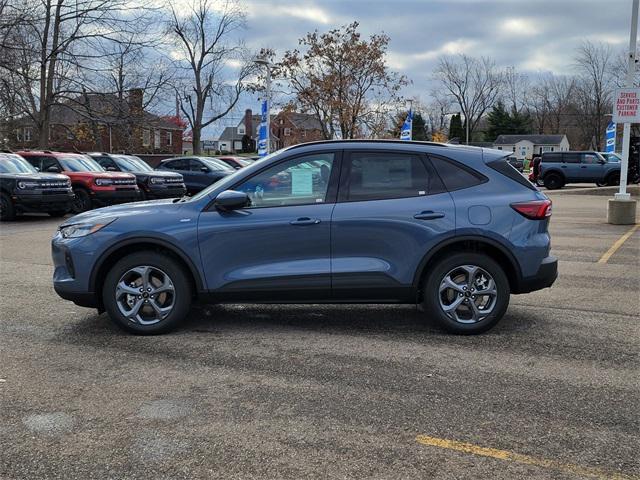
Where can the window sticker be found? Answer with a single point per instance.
(302, 181)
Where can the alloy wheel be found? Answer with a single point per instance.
(145, 295)
(468, 294)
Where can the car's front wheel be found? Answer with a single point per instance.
(467, 293)
(147, 293)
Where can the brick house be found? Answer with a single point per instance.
(287, 128)
(103, 122)
(292, 128)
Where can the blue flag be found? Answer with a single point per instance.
(610, 138)
(405, 132)
(263, 137)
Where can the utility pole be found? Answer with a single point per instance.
(621, 210)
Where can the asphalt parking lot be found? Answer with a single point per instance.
(349, 391)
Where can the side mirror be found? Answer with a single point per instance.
(231, 200)
(53, 169)
(111, 169)
(205, 169)
(601, 161)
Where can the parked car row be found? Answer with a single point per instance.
(58, 183)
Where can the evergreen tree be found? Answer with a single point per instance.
(418, 130)
(455, 128)
(501, 122)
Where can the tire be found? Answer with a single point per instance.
(7, 210)
(613, 179)
(460, 321)
(58, 213)
(553, 181)
(82, 202)
(118, 302)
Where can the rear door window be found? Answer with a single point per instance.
(571, 157)
(380, 175)
(551, 157)
(454, 175)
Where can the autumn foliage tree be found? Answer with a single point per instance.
(342, 79)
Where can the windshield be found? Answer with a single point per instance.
(132, 164)
(11, 163)
(235, 174)
(612, 157)
(79, 163)
(216, 164)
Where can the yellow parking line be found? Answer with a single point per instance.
(614, 248)
(524, 459)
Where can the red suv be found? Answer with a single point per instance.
(92, 185)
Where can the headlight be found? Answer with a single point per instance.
(27, 185)
(157, 180)
(82, 229)
(103, 181)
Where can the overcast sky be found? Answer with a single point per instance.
(532, 35)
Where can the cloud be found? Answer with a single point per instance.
(308, 12)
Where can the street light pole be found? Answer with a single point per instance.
(626, 132)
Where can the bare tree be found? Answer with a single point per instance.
(202, 37)
(53, 43)
(516, 90)
(595, 83)
(473, 84)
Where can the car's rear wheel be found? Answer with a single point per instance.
(553, 181)
(82, 202)
(613, 179)
(467, 293)
(147, 293)
(7, 210)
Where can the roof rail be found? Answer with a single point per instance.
(371, 140)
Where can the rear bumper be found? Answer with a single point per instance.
(544, 278)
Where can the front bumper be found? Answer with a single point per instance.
(43, 201)
(70, 281)
(114, 197)
(173, 191)
(544, 277)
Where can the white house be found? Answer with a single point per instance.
(525, 146)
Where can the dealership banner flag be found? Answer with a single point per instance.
(610, 138)
(405, 132)
(263, 137)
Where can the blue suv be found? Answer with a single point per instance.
(455, 229)
(560, 168)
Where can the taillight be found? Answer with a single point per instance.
(535, 210)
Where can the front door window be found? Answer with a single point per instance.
(301, 181)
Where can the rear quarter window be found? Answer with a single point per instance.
(505, 168)
(552, 158)
(454, 175)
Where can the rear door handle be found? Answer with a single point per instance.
(305, 221)
(428, 215)
(583, 166)
(563, 166)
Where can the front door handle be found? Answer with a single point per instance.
(305, 221)
(563, 166)
(583, 166)
(428, 215)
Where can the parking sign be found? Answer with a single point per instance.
(626, 105)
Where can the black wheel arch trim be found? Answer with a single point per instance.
(148, 240)
(468, 238)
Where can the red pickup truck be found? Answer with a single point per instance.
(92, 185)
